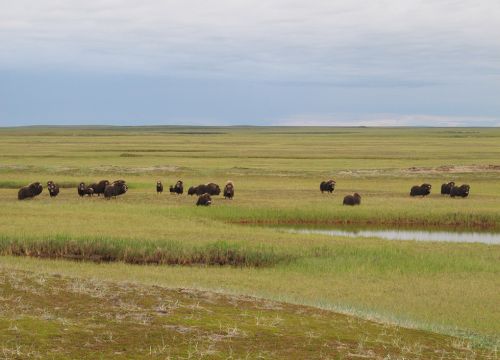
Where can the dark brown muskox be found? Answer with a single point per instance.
(99, 187)
(204, 200)
(192, 190)
(210, 188)
(178, 188)
(354, 199)
(460, 191)
(445, 188)
(328, 186)
(117, 188)
(229, 190)
(422, 190)
(159, 187)
(85, 190)
(30, 191)
(53, 188)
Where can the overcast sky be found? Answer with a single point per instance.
(273, 62)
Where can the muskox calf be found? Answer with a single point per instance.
(30, 191)
(460, 191)
(85, 190)
(446, 188)
(210, 188)
(354, 199)
(117, 188)
(53, 188)
(178, 188)
(159, 187)
(229, 190)
(422, 190)
(99, 187)
(328, 186)
(204, 200)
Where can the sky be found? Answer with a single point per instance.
(250, 62)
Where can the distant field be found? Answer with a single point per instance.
(239, 246)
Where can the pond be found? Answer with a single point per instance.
(410, 235)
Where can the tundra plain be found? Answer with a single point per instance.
(402, 299)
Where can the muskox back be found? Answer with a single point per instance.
(460, 191)
(446, 188)
(30, 191)
(192, 190)
(210, 188)
(99, 187)
(229, 190)
(328, 186)
(117, 188)
(204, 200)
(422, 190)
(354, 199)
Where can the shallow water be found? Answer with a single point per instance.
(410, 235)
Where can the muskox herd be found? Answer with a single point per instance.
(446, 189)
(329, 187)
(203, 191)
(103, 187)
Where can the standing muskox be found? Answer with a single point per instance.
(159, 187)
(53, 188)
(327, 186)
(99, 187)
(354, 199)
(118, 187)
(229, 190)
(446, 188)
(210, 188)
(461, 191)
(422, 190)
(85, 190)
(204, 200)
(30, 191)
(178, 188)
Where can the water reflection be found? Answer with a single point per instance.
(471, 237)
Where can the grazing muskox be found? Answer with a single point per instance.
(30, 191)
(210, 188)
(229, 190)
(178, 188)
(159, 187)
(446, 188)
(53, 188)
(422, 190)
(85, 190)
(460, 191)
(117, 188)
(99, 187)
(327, 186)
(204, 200)
(354, 199)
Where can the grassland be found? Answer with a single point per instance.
(448, 288)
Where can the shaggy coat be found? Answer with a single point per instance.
(99, 187)
(422, 190)
(229, 190)
(328, 186)
(30, 191)
(85, 190)
(210, 188)
(446, 188)
(204, 200)
(178, 188)
(159, 187)
(53, 188)
(354, 199)
(115, 189)
(461, 191)
(192, 190)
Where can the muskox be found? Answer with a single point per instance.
(210, 188)
(178, 188)
(229, 190)
(204, 200)
(354, 199)
(30, 191)
(99, 187)
(53, 188)
(328, 186)
(159, 187)
(460, 191)
(85, 190)
(445, 188)
(117, 188)
(422, 190)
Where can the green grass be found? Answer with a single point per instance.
(238, 246)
